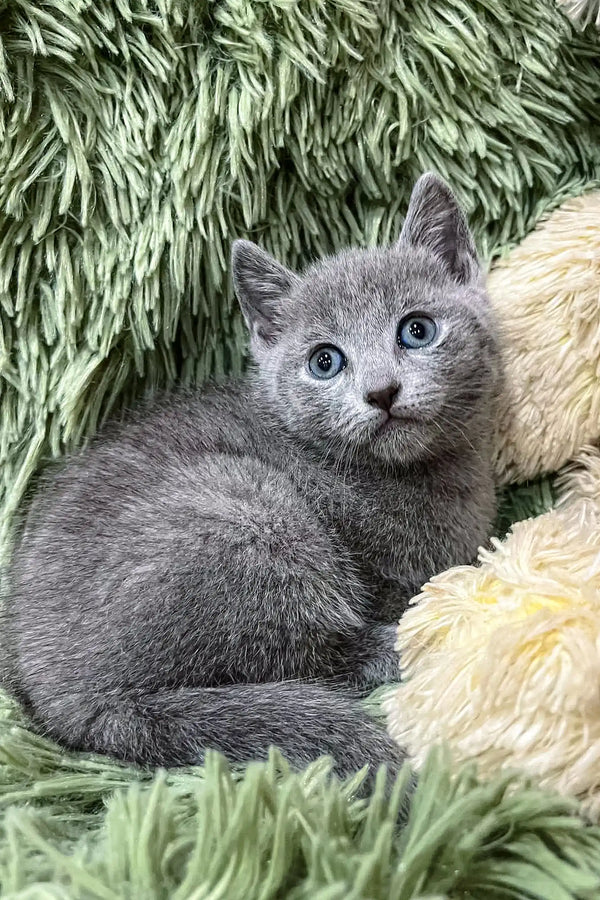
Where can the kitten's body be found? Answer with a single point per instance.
(175, 573)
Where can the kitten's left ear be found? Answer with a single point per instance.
(262, 286)
(436, 223)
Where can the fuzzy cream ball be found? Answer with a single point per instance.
(502, 661)
(546, 294)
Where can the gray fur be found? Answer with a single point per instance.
(218, 571)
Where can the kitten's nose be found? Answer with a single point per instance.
(384, 398)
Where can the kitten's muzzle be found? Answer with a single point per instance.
(396, 418)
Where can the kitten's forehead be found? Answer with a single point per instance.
(364, 286)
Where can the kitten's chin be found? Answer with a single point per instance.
(401, 440)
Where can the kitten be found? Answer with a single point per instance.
(214, 572)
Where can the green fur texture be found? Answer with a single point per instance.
(95, 829)
(137, 139)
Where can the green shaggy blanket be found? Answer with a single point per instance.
(137, 138)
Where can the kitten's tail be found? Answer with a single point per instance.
(175, 727)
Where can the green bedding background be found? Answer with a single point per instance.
(137, 139)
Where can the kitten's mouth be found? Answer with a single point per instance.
(394, 422)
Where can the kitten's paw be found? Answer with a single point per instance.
(381, 661)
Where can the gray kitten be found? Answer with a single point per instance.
(226, 569)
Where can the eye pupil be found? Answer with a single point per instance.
(324, 361)
(417, 329)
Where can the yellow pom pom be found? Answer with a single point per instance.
(502, 661)
(546, 294)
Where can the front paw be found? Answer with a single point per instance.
(381, 661)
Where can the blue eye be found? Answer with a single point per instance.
(326, 362)
(416, 331)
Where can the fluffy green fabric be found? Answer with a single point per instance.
(269, 833)
(137, 138)
(583, 12)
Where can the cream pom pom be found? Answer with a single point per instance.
(502, 661)
(546, 294)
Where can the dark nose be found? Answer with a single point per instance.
(383, 399)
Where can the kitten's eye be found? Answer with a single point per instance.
(326, 362)
(416, 331)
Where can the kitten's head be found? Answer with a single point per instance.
(391, 352)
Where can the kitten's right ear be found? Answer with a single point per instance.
(435, 222)
(262, 286)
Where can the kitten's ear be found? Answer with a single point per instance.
(435, 222)
(261, 285)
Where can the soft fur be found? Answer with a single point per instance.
(175, 581)
(545, 295)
